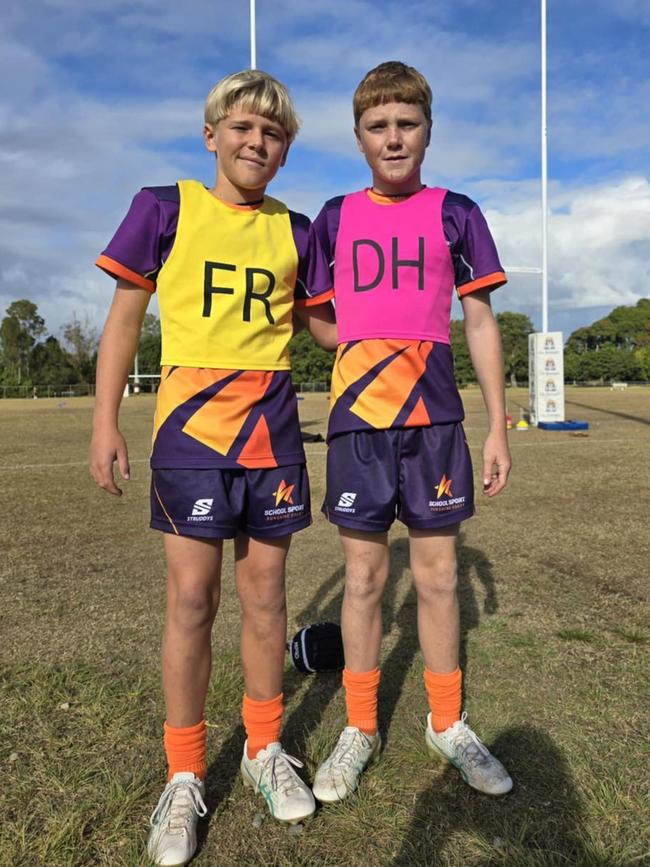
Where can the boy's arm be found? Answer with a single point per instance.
(320, 321)
(484, 343)
(117, 350)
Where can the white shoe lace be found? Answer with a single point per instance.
(345, 754)
(276, 766)
(468, 744)
(176, 805)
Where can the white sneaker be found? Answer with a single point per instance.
(459, 745)
(288, 798)
(339, 774)
(172, 839)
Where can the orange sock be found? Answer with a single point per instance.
(262, 721)
(444, 694)
(361, 698)
(185, 749)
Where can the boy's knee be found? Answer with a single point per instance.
(192, 607)
(441, 578)
(363, 583)
(267, 606)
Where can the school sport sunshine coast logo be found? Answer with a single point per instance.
(449, 503)
(284, 493)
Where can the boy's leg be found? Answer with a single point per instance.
(259, 575)
(193, 591)
(193, 585)
(433, 562)
(366, 573)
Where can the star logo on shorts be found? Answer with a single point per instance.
(283, 492)
(444, 487)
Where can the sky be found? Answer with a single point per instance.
(100, 99)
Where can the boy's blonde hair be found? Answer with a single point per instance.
(254, 91)
(392, 81)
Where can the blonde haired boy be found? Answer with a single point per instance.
(396, 443)
(230, 265)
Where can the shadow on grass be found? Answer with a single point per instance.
(625, 415)
(539, 823)
(322, 688)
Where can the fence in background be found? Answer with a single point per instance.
(145, 386)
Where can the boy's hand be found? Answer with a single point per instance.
(105, 449)
(496, 463)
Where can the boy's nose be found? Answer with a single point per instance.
(394, 137)
(256, 139)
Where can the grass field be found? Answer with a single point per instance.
(555, 634)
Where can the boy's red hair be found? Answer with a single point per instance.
(392, 81)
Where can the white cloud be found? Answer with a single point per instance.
(599, 245)
(103, 102)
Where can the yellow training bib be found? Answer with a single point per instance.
(226, 291)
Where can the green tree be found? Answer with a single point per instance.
(150, 345)
(572, 366)
(309, 363)
(51, 364)
(514, 329)
(81, 338)
(19, 332)
(463, 368)
(626, 328)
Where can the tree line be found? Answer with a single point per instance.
(616, 347)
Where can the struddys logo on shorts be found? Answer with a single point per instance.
(346, 502)
(284, 504)
(445, 500)
(201, 511)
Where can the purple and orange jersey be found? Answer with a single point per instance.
(395, 266)
(227, 279)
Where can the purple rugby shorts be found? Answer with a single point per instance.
(219, 503)
(421, 475)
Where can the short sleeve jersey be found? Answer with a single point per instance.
(227, 279)
(395, 267)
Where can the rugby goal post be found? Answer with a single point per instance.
(135, 386)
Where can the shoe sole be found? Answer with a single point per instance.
(374, 757)
(441, 758)
(250, 784)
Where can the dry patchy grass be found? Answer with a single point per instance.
(553, 589)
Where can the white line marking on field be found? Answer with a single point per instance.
(564, 441)
(70, 464)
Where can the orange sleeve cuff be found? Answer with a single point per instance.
(115, 269)
(492, 281)
(318, 299)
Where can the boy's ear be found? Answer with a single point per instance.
(208, 137)
(358, 138)
(285, 155)
(429, 135)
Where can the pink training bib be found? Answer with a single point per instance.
(393, 274)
